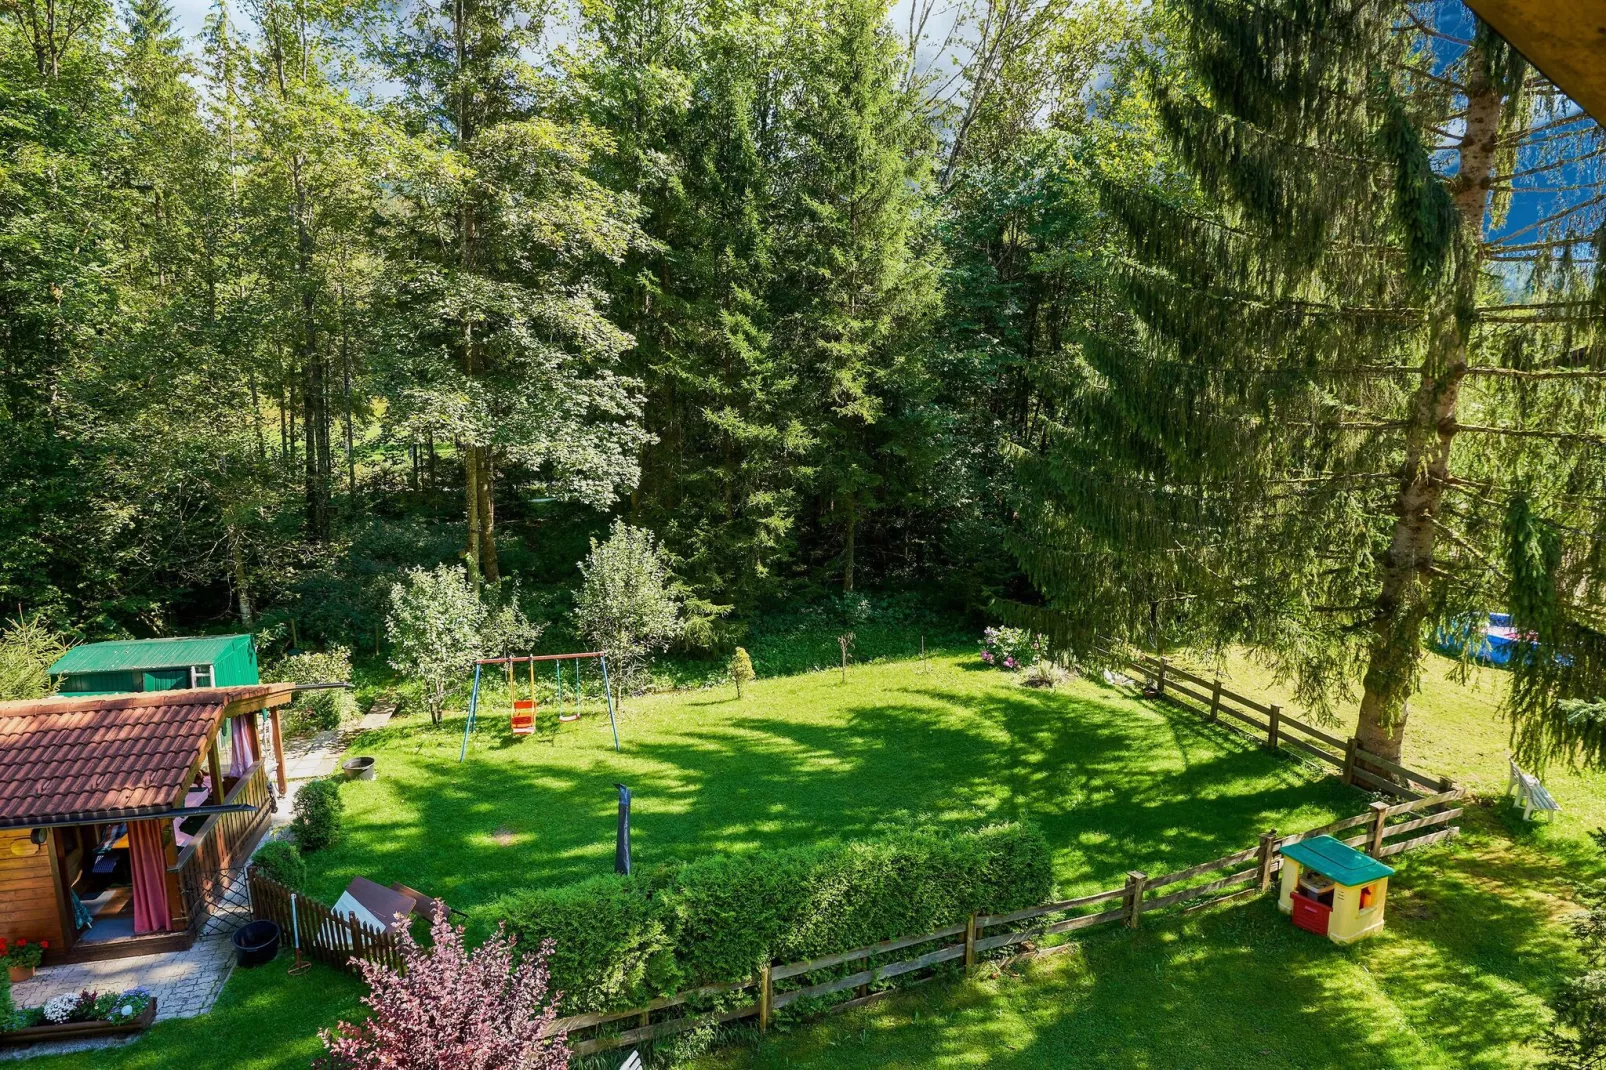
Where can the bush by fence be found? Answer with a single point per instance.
(626, 940)
(843, 979)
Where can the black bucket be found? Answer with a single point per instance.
(256, 942)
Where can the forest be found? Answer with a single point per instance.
(1197, 323)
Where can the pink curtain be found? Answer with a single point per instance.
(148, 859)
(242, 744)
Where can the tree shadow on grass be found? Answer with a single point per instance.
(1114, 785)
(1459, 986)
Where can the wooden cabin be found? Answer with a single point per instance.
(126, 665)
(123, 818)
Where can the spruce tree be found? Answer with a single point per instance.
(1344, 403)
(858, 293)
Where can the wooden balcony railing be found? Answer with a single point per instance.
(221, 845)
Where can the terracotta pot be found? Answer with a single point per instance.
(20, 974)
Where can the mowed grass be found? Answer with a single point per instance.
(1476, 941)
(1114, 783)
(263, 1020)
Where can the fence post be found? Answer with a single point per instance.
(970, 943)
(1159, 679)
(1274, 727)
(1215, 700)
(1135, 880)
(764, 990)
(1268, 851)
(1446, 784)
(1349, 760)
(1380, 816)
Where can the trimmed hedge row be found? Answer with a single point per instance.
(620, 941)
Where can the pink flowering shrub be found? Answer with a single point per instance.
(1012, 648)
(452, 1008)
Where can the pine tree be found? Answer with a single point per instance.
(1343, 406)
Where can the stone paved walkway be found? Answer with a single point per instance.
(185, 983)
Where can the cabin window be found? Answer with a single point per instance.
(200, 676)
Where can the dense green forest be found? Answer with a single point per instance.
(1196, 323)
(339, 289)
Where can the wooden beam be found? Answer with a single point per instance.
(278, 751)
(1565, 39)
(215, 768)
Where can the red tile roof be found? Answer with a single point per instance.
(111, 757)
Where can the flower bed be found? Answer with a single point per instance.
(86, 1014)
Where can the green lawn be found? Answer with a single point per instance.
(1474, 943)
(1115, 783)
(264, 1020)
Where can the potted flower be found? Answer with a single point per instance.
(22, 958)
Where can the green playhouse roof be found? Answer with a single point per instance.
(124, 655)
(1336, 861)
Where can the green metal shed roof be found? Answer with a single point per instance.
(1336, 861)
(128, 654)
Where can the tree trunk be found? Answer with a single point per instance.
(242, 589)
(1402, 608)
(471, 494)
(847, 550)
(490, 567)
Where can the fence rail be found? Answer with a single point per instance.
(323, 935)
(777, 986)
(1213, 700)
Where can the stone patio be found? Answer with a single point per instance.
(185, 983)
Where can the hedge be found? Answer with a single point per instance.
(620, 941)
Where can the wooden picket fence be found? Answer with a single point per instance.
(327, 937)
(1277, 729)
(774, 987)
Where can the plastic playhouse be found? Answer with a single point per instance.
(1332, 889)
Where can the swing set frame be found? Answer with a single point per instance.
(531, 659)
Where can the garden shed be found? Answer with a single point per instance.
(125, 819)
(131, 665)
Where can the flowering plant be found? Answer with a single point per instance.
(1012, 648)
(453, 1006)
(59, 1008)
(22, 953)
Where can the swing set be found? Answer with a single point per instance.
(523, 709)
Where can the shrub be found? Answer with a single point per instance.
(8, 1009)
(434, 630)
(281, 861)
(449, 1006)
(27, 648)
(1012, 648)
(741, 669)
(318, 810)
(624, 940)
(316, 711)
(625, 604)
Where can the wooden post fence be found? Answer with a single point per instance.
(1349, 759)
(1215, 699)
(1243, 873)
(1159, 678)
(1263, 861)
(1274, 725)
(1380, 817)
(1135, 881)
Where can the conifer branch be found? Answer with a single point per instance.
(1454, 427)
(1541, 128)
